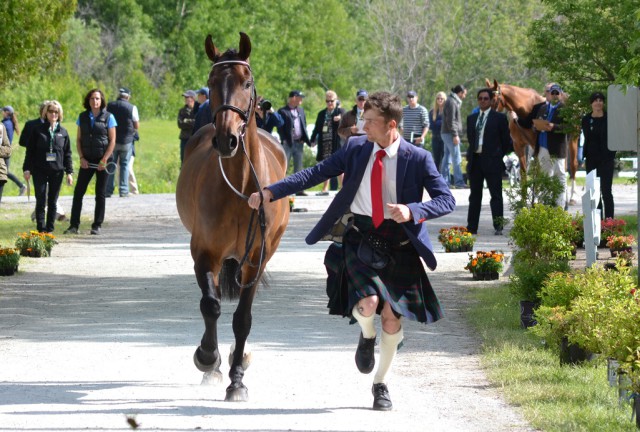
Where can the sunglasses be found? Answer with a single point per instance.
(53, 112)
(484, 98)
(361, 99)
(555, 93)
(330, 100)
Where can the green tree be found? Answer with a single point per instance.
(586, 44)
(31, 32)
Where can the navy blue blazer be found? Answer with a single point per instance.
(416, 172)
(496, 141)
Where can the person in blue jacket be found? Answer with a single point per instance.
(384, 180)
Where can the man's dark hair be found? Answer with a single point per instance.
(389, 105)
(488, 91)
(86, 105)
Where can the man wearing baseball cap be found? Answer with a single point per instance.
(415, 120)
(293, 134)
(186, 120)
(352, 123)
(126, 115)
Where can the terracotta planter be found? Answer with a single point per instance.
(527, 309)
(484, 276)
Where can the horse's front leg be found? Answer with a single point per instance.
(207, 357)
(237, 391)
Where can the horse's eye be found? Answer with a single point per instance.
(248, 84)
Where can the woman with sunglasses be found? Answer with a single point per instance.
(47, 160)
(326, 131)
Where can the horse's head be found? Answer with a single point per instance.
(231, 95)
(497, 101)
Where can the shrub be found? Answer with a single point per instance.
(535, 187)
(485, 262)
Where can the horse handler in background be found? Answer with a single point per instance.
(377, 268)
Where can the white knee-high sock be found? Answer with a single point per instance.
(366, 323)
(388, 348)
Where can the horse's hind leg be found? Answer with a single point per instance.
(237, 391)
(207, 357)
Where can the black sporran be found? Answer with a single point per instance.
(374, 251)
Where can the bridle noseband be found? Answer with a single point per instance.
(225, 106)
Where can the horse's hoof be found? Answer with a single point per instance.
(246, 357)
(237, 393)
(202, 367)
(213, 377)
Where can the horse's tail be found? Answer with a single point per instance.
(229, 286)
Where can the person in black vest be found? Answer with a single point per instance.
(47, 159)
(95, 142)
(126, 115)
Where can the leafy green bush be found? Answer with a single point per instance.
(535, 187)
(528, 276)
(543, 232)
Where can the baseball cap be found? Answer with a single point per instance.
(203, 91)
(189, 93)
(555, 87)
(124, 91)
(362, 93)
(411, 93)
(8, 109)
(293, 93)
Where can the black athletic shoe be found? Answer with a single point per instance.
(381, 398)
(95, 231)
(365, 361)
(71, 230)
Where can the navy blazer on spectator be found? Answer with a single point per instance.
(496, 141)
(286, 130)
(416, 173)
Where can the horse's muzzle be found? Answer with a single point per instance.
(225, 145)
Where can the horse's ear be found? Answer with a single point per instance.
(245, 47)
(210, 49)
(495, 83)
(487, 83)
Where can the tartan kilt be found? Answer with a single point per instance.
(403, 282)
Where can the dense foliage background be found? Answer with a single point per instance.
(61, 49)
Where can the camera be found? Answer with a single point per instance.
(265, 105)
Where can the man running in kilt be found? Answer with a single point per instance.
(379, 259)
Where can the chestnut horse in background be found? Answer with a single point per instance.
(521, 101)
(224, 163)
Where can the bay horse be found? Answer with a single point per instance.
(521, 101)
(224, 162)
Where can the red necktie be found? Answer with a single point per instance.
(377, 212)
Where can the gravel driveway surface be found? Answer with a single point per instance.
(105, 330)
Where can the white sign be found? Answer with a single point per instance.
(591, 223)
(623, 105)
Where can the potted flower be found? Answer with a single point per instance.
(456, 239)
(620, 243)
(611, 227)
(35, 244)
(9, 260)
(485, 265)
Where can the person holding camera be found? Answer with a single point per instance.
(266, 117)
(326, 131)
(293, 132)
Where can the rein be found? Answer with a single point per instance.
(253, 221)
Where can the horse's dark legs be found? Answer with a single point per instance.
(237, 391)
(207, 356)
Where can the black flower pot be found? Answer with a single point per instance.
(527, 309)
(572, 354)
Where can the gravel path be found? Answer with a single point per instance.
(106, 328)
